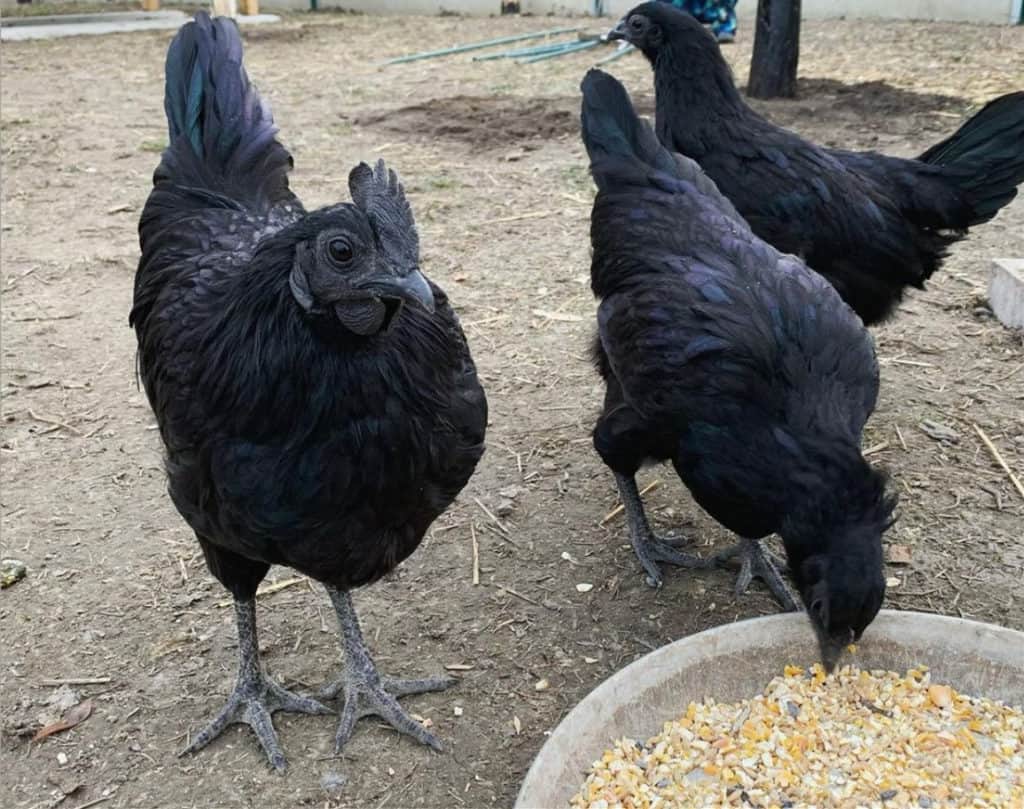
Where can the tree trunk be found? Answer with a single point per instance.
(776, 49)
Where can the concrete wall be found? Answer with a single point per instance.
(988, 11)
(994, 11)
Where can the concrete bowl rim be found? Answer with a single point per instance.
(610, 683)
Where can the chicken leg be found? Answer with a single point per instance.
(648, 547)
(366, 692)
(255, 697)
(758, 561)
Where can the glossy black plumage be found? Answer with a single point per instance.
(870, 223)
(734, 361)
(290, 438)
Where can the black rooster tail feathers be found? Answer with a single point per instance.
(621, 144)
(611, 129)
(985, 156)
(213, 109)
(183, 84)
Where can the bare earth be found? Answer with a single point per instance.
(116, 588)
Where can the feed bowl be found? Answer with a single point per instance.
(736, 661)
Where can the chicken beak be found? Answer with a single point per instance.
(618, 32)
(412, 288)
(831, 648)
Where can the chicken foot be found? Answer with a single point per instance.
(255, 696)
(648, 547)
(366, 693)
(757, 561)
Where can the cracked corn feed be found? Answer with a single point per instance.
(854, 739)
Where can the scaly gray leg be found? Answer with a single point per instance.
(649, 548)
(366, 692)
(255, 697)
(758, 561)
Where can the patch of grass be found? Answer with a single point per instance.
(154, 146)
(442, 183)
(577, 177)
(36, 9)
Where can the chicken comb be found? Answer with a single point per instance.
(378, 193)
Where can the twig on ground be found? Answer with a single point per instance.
(899, 435)
(489, 513)
(994, 452)
(54, 422)
(268, 590)
(518, 217)
(517, 594)
(476, 555)
(615, 512)
(58, 681)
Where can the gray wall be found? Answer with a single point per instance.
(990, 11)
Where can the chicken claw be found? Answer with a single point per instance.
(255, 696)
(757, 561)
(648, 547)
(366, 693)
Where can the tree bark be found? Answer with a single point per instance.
(776, 50)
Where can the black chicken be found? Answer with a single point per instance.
(871, 224)
(314, 391)
(737, 363)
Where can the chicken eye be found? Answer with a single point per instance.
(636, 23)
(340, 251)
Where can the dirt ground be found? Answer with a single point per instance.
(116, 590)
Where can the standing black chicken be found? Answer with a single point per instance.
(871, 224)
(737, 363)
(314, 391)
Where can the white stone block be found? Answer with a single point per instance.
(1006, 291)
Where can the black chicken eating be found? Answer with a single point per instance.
(741, 366)
(871, 224)
(314, 391)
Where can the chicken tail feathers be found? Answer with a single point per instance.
(613, 132)
(623, 148)
(984, 158)
(222, 135)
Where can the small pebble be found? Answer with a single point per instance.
(793, 709)
(457, 710)
(584, 587)
(62, 758)
(541, 685)
(332, 782)
(11, 572)
(924, 802)
(888, 794)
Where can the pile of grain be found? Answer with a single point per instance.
(855, 738)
